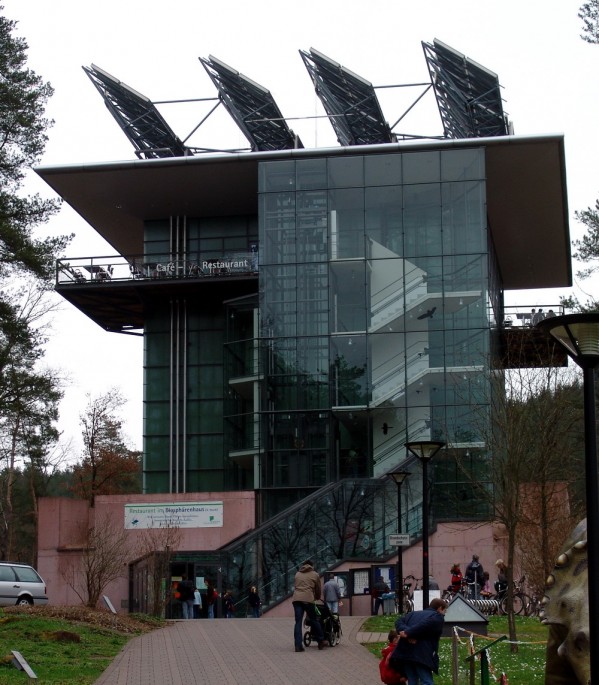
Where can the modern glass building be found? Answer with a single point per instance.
(308, 312)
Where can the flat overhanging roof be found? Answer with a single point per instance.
(526, 197)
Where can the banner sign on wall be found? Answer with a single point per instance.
(174, 515)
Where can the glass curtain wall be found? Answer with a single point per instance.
(374, 306)
(184, 357)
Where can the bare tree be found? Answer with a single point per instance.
(105, 552)
(548, 521)
(156, 547)
(526, 426)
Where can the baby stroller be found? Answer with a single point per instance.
(330, 623)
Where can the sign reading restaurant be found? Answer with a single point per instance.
(174, 515)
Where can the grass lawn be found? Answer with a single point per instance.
(526, 667)
(71, 645)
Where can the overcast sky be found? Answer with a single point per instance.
(547, 72)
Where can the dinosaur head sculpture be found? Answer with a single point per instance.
(566, 612)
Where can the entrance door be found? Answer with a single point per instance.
(203, 576)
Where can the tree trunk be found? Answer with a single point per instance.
(9, 514)
(511, 619)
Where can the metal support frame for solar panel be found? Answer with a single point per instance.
(349, 100)
(137, 116)
(252, 107)
(468, 95)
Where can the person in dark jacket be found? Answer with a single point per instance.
(475, 577)
(186, 596)
(254, 602)
(418, 646)
(378, 590)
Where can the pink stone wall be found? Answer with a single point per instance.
(60, 520)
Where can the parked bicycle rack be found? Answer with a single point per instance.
(485, 606)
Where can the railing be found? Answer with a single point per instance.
(348, 519)
(82, 270)
(523, 317)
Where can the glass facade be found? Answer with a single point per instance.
(184, 364)
(370, 326)
(375, 313)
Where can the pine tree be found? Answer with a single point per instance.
(23, 126)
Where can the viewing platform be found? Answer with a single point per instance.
(131, 268)
(116, 291)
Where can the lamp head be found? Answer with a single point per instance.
(578, 334)
(398, 476)
(425, 449)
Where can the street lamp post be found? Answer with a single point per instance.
(578, 334)
(425, 450)
(399, 477)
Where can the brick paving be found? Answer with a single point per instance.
(249, 651)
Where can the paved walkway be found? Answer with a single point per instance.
(241, 650)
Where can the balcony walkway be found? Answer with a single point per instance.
(242, 650)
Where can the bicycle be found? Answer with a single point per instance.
(407, 603)
(534, 606)
(520, 600)
(449, 593)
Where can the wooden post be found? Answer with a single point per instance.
(454, 658)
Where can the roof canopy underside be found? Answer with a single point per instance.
(526, 197)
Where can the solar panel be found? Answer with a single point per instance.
(137, 116)
(468, 95)
(349, 100)
(252, 107)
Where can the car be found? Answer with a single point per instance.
(21, 584)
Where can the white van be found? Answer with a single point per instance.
(20, 584)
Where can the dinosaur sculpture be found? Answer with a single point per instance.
(566, 612)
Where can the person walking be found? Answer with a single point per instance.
(332, 594)
(475, 577)
(306, 590)
(418, 647)
(228, 604)
(211, 597)
(254, 602)
(186, 597)
(197, 603)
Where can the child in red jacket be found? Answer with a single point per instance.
(389, 675)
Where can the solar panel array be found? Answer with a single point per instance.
(468, 95)
(252, 108)
(137, 116)
(349, 100)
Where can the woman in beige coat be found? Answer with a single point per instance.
(306, 592)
